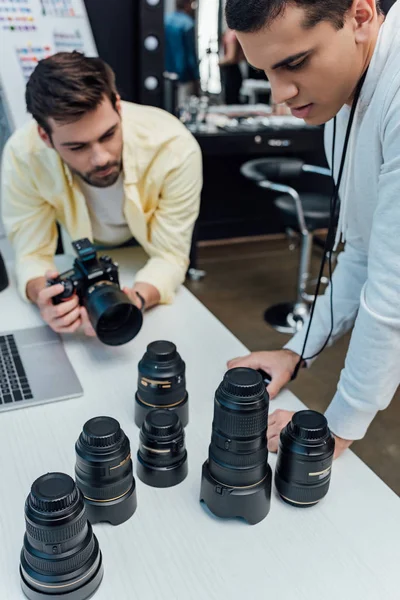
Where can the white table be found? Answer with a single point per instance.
(346, 548)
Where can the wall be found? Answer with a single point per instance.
(169, 6)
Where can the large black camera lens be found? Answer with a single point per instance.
(113, 316)
(161, 382)
(104, 473)
(303, 468)
(236, 479)
(162, 456)
(60, 557)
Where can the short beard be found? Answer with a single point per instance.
(103, 182)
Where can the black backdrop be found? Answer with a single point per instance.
(114, 25)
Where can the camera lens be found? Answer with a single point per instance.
(236, 479)
(162, 456)
(161, 382)
(303, 468)
(113, 316)
(60, 557)
(104, 473)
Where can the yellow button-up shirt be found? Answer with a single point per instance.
(162, 184)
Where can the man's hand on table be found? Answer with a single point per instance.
(148, 292)
(66, 317)
(280, 418)
(280, 365)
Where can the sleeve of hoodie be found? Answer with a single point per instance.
(171, 227)
(371, 374)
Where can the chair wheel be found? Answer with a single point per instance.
(287, 317)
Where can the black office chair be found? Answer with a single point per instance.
(303, 212)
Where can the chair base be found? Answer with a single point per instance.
(287, 317)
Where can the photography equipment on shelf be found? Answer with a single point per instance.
(236, 478)
(60, 557)
(161, 382)
(162, 456)
(305, 455)
(95, 280)
(3, 274)
(104, 472)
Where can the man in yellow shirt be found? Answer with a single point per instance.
(103, 169)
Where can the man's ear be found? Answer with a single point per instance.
(364, 12)
(44, 136)
(118, 106)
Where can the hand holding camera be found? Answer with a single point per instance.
(89, 294)
(65, 317)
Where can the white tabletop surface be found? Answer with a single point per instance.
(347, 547)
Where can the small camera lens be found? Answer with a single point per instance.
(104, 473)
(161, 382)
(236, 480)
(162, 456)
(303, 468)
(60, 555)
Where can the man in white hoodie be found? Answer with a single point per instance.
(315, 54)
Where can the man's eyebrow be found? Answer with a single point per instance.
(84, 143)
(290, 59)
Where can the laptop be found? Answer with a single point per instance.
(34, 369)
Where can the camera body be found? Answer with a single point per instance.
(115, 319)
(88, 271)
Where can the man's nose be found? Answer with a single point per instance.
(99, 157)
(282, 91)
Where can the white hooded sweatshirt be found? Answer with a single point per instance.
(366, 281)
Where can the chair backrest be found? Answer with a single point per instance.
(274, 169)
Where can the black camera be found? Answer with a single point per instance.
(95, 280)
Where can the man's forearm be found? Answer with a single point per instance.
(33, 287)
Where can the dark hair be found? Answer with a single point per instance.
(253, 15)
(182, 4)
(68, 85)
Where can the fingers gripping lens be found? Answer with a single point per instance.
(236, 478)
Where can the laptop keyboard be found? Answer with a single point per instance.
(14, 386)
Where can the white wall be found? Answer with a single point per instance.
(169, 6)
